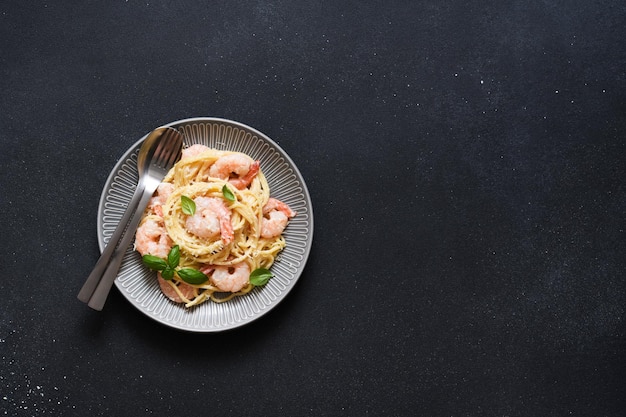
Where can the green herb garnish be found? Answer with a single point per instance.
(227, 193)
(168, 266)
(260, 276)
(191, 276)
(188, 205)
(173, 258)
(154, 262)
(167, 273)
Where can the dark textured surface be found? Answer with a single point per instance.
(466, 166)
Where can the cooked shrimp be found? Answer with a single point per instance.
(194, 150)
(238, 169)
(231, 278)
(276, 214)
(151, 238)
(212, 218)
(156, 203)
(186, 290)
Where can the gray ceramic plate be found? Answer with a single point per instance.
(139, 285)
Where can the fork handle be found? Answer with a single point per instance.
(94, 277)
(99, 295)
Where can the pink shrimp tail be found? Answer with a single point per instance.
(243, 182)
(226, 229)
(207, 269)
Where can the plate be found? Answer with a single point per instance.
(139, 285)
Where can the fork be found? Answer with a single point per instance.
(159, 152)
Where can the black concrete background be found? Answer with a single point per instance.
(466, 164)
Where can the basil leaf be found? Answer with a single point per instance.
(167, 274)
(188, 205)
(173, 258)
(154, 262)
(227, 193)
(260, 276)
(192, 276)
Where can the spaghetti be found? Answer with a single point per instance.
(212, 215)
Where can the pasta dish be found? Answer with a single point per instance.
(211, 230)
